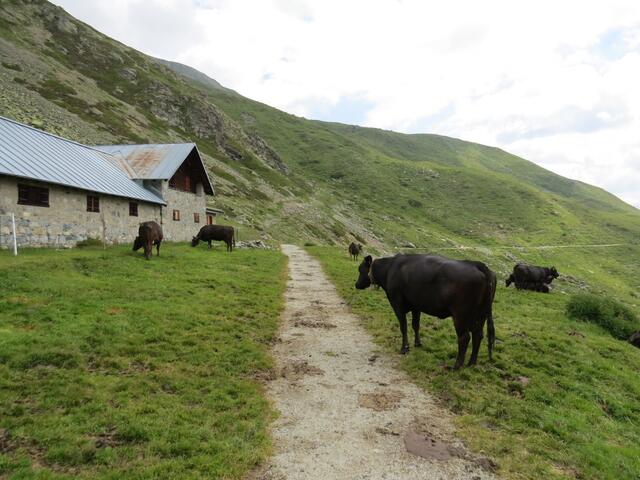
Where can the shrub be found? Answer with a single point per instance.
(90, 242)
(611, 315)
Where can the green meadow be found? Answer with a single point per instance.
(562, 397)
(112, 366)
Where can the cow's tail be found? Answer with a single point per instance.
(487, 304)
(233, 237)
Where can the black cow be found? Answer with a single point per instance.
(354, 250)
(216, 232)
(437, 286)
(530, 277)
(149, 234)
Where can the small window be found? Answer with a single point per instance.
(133, 209)
(31, 195)
(176, 215)
(209, 219)
(93, 203)
(196, 218)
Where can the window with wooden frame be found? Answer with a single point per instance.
(176, 215)
(196, 218)
(93, 203)
(133, 209)
(32, 195)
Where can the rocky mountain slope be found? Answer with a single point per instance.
(283, 177)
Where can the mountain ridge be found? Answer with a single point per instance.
(285, 177)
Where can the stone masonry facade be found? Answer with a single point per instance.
(66, 221)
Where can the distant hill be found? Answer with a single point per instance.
(192, 73)
(283, 177)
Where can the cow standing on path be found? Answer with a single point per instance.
(354, 250)
(216, 232)
(440, 287)
(149, 234)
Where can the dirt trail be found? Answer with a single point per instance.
(346, 412)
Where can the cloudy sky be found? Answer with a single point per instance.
(556, 82)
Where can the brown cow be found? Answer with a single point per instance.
(354, 250)
(149, 234)
(216, 232)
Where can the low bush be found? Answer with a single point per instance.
(611, 315)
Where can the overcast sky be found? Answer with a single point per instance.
(556, 82)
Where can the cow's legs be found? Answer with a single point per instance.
(402, 320)
(462, 331)
(148, 246)
(415, 323)
(209, 242)
(158, 248)
(476, 340)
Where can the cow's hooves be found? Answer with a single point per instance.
(404, 350)
(457, 367)
(417, 344)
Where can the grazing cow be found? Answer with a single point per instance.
(529, 277)
(216, 232)
(354, 250)
(149, 234)
(437, 286)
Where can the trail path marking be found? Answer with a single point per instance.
(346, 411)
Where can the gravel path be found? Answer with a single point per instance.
(346, 411)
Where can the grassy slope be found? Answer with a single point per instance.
(112, 367)
(578, 417)
(342, 182)
(347, 182)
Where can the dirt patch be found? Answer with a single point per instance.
(380, 400)
(426, 446)
(6, 442)
(312, 324)
(107, 439)
(298, 369)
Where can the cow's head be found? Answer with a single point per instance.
(359, 247)
(364, 280)
(194, 241)
(137, 244)
(553, 273)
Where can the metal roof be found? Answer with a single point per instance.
(30, 153)
(156, 161)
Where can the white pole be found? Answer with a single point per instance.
(15, 239)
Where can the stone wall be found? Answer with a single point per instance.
(187, 204)
(66, 220)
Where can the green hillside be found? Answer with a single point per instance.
(282, 176)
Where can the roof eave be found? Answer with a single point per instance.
(158, 200)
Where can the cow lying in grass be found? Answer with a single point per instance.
(530, 277)
(437, 286)
(149, 234)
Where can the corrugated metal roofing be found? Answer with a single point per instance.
(30, 153)
(154, 161)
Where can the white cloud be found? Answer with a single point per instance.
(554, 82)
